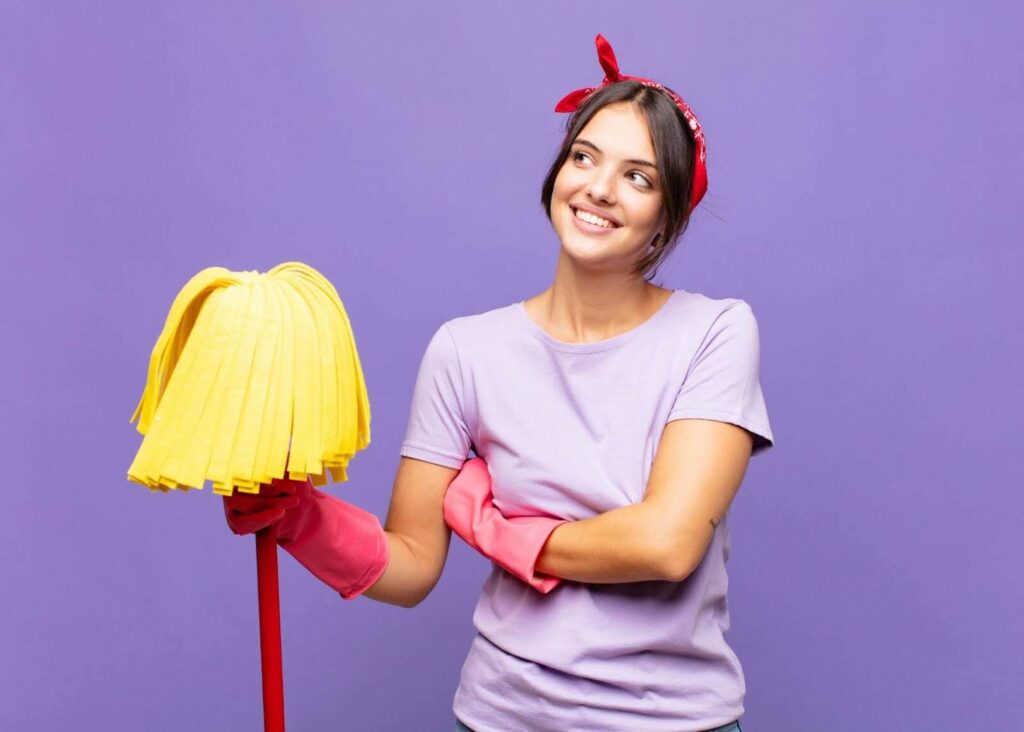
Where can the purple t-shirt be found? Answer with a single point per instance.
(571, 429)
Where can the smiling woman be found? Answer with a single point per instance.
(612, 421)
(638, 154)
(607, 201)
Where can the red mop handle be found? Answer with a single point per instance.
(270, 629)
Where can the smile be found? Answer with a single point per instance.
(592, 219)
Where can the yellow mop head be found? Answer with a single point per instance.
(252, 373)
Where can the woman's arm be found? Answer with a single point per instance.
(417, 535)
(697, 471)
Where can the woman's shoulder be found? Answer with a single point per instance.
(712, 317)
(484, 322)
(700, 307)
(702, 300)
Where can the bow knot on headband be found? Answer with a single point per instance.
(574, 99)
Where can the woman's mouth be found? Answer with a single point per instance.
(591, 223)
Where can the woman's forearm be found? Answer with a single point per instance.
(404, 582)
(621, 545)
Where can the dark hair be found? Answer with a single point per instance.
(674, 149)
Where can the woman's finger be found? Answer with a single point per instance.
(254, 522)
(280, 487)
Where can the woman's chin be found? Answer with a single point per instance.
(587, 255)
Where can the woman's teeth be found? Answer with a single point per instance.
(592, 219)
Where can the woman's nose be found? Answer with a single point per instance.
(601, 187)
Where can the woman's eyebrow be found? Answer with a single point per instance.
(633, 161)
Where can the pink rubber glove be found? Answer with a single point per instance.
(513, 543)
(341, 544)
(247, 513)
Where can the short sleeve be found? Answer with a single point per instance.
(723, 381)
(437, 430)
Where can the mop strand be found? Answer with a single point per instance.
(253, 376)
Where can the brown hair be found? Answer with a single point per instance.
(674, 149)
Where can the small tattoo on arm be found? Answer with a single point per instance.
(713, 524)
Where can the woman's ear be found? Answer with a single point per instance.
(662, 219)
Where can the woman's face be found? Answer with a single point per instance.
(610, 174)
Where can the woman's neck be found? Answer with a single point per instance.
(576, 314)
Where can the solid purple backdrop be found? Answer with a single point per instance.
(865, 173)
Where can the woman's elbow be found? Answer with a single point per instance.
(676, 561)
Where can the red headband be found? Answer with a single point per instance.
(572, 101)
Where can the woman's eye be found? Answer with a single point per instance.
(643, 178)
(577, 156)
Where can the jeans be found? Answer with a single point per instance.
(731, 727)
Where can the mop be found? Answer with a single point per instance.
(255, 376)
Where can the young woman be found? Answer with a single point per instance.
(615, 420)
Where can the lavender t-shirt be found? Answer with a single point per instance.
(571, 429)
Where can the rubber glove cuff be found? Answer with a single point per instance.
(342, 545)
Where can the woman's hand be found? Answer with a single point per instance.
(513, 543)
(342, 545)
(247, 513)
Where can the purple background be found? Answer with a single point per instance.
(865, 173)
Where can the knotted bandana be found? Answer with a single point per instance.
(572, 101)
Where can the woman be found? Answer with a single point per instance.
(621, 416)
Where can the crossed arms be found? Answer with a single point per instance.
(697, 471)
